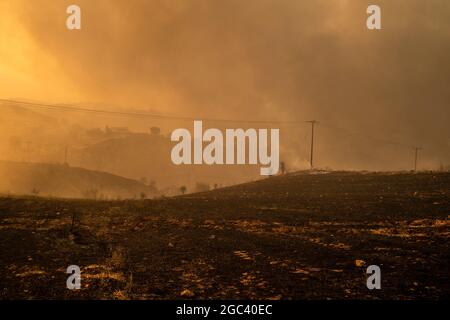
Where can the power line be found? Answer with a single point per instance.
(354, 133)
(89, 109)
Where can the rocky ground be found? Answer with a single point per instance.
(299, 236)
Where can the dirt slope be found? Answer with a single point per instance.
(291, 237)
(69, 182)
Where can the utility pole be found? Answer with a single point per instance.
(313, 122)
(416, 151)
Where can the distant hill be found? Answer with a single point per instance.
(142, 155)
(69, 182)
(319, 185)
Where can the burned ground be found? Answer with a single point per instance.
(290, 237)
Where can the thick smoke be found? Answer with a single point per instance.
(257, 59)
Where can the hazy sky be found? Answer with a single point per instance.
(263, 59)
